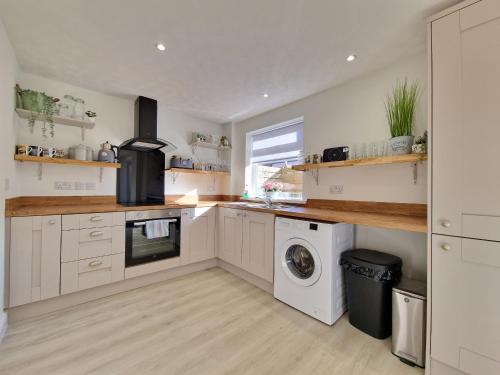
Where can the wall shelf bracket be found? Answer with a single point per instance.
(415, 172)
(83, 132)
(315, 175)
(174, 177)
(100, 174)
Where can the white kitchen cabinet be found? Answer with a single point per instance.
(465, 308)
(35, 253)
(465, 133)
(258, 244)
(197, 234)
(230, 235)
(246, 240)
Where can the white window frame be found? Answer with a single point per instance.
(248, 151)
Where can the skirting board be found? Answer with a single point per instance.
(43, 307)
(252, 279)
(3, 325)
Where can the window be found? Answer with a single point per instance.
(270, 154)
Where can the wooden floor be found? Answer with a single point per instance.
(210, 322)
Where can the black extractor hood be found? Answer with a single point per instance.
(145, 128)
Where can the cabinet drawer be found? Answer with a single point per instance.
(93, 272)
(80, 244)
(96, 220)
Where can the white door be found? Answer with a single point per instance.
(197, 234)
(465, 304)
(466, 122)
(35, 259)
(258, 244)
(230, 235)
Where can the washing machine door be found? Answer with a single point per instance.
(300, 262)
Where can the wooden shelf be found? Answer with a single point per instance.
(25, 114)
(82, 163)
(209, 145)
(410, 158)
(196, 171)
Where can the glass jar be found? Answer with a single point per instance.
(79, 109)
(68, 106)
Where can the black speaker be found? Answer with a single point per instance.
(335, 154)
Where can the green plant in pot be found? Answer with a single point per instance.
(37, 103)
(400, 110)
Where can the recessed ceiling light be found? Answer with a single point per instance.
(266, 95)
(161, 47)
(351, 58)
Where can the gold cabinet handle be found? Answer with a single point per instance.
(96, 233)
(96, 218)
(446, 247)
(52, 222)
(446, 223)
(95, 263)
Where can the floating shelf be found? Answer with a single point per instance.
(410, 158)
(196, 171)
(23, 113)
(210, 145)
(82, 163)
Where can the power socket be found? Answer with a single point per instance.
(336, 189)
(63, 185)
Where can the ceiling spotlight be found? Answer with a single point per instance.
(161, 47)
(351, 58)
(266, 95)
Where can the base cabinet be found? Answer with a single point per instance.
(246, 240)
(197, 234)
(35, 256)
(465, 309)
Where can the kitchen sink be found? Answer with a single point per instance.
(259, 205)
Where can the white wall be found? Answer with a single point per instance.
(353, 113)
(115, 123)
(8, 75)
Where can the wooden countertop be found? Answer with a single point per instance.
(407, 217)
(379, 220)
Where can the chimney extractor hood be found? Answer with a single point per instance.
(145, 128)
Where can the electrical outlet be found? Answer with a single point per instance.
(63, 185)
(79, 185)
(90, 186)
(337, 189)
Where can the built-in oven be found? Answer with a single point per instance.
(152, 235)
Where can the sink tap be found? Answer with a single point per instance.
(267, 201)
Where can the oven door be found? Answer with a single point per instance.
(147, 241)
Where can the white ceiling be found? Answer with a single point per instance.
(222, 55)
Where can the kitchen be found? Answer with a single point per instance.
(228, 250)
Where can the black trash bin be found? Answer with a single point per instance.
(370, 276)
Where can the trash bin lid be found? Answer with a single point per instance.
(374, 264)
(413, 287)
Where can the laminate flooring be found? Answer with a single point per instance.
(210, 322)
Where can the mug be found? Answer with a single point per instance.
(23, 149)
(49, 152)
(36, 150)
(60, 152)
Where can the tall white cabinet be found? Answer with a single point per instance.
(465, 318)
(35, 256)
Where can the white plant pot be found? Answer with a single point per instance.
(401, 145)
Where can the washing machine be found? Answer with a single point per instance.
(307, 271)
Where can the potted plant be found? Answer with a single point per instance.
(91, 116)
(37, 103)
(271, 188)
(400, 110)
(420, 146)
(224, 142)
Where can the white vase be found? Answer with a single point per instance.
(401, 145)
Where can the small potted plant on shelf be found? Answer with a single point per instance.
(420, 146)
(400, 110)
(271, 188)
(224, 142)
(91, 116)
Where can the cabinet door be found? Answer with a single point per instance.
(230, 235)
(258, 244)
(466, 88)
(465, 309)
(197, 234)
(35, 256)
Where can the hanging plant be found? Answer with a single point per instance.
(37, 103)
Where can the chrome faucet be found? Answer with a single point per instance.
(268, 201)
